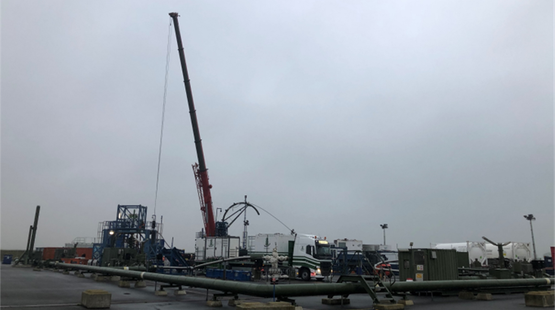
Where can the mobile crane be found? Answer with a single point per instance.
(200, 171)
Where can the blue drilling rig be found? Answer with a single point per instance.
(132, 240)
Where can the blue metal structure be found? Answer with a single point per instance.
(348, 262)
(97, 252)
(363, 262)
(174, 257)
(128, 228)
(132, 232)
(128, 231)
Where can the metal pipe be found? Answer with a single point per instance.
(467, 284)
(29, 238)
(25, 255)
(221, 261)
(290, 290)
(261, 290)
(35, 225)
(205, 264)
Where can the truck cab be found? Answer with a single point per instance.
(322, 250)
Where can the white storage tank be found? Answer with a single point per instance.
(476, 250)
(516, 251)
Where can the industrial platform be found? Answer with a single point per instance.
(24, 288)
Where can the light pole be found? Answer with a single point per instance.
(531, 218)
(384, 227)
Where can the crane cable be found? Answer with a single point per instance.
(291, 230)
(163, 114)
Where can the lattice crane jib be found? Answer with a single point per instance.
(205, 199)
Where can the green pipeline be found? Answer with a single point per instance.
(312, 289)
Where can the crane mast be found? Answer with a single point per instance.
(200, 170)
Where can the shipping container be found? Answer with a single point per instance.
(428, 264)
(83, 252)
(49, 253)
(56, 253)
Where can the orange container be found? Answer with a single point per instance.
(75, 260)
(48, 253)
(83, 252)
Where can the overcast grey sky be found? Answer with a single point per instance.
(435, 117)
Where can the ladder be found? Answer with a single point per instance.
(371, 287)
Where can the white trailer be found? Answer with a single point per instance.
(475, 250)
(210, 248)
(311, 254)
(515, 251)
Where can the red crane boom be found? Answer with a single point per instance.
(200, 170)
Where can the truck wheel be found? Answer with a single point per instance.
(304, 274)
